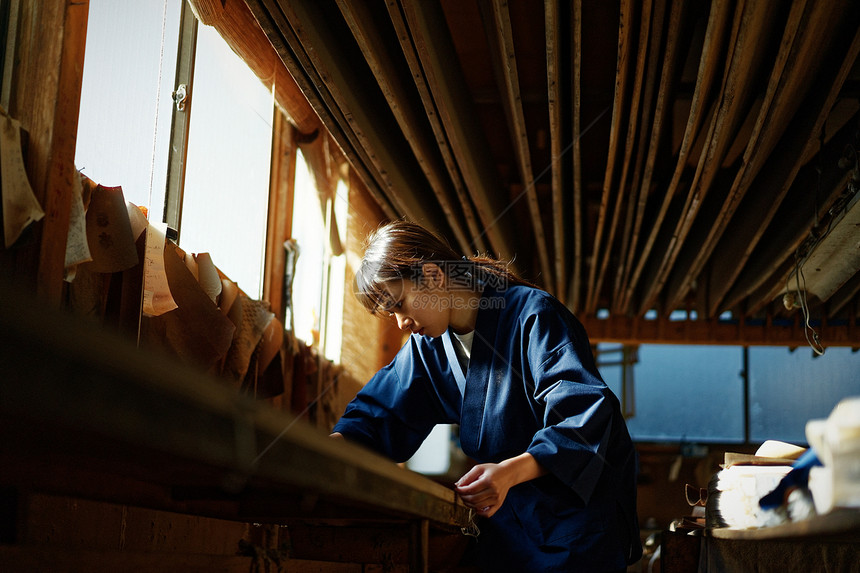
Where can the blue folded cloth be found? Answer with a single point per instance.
(797, 477)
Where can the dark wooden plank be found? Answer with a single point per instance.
(60, 560)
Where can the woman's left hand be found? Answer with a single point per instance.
(485, 487)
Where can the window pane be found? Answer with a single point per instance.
(787, 389)
(309, 233)
(687, 393)
(337, 280)
(126, 102)
(227, 170)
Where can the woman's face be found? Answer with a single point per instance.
(418, 307)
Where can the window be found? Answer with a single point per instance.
(685, 393)
(226, 192)
(126, 101)
(124, 139)
(697, 393)
(309, 233)
(787, 389)
(318, 290)
(337, 280)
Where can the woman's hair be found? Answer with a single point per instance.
(398, 251)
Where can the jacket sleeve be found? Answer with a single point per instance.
(579, 411)
(396, 410)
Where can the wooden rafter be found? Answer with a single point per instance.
(668, 58)
(635, 130)
(428, 30)
(707, 73)
(478, 239)
(637, 330)
(745, 52)
(554, 107)
(575, 292)
(409, 117)
(639, 183)
(802, 47)
(355, 116)
(742, 239)
(504, 54)
(625, 48)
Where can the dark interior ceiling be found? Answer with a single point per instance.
(633, 155)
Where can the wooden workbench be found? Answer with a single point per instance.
(88, 417)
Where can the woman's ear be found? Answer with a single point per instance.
(434, 276)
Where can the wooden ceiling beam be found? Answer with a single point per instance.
(438, 58)
(478, 241)
(709, 67)
(635, 132)
(410, 119)
(574, 297)
(554, 79)
(664, 63)
(744, 58)
(625, 47)
(770, 265)
(736, 332)
(497, 22)
(743, 235)
(327, 56)
(804, 46)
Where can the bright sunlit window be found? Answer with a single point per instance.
(318, 288)
(124, 140)
(126, 103)
(227, 171)
(336, 283)
(309, 233)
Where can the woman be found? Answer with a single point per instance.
(556, 471)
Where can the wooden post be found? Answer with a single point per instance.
(419, 546)
(280, 224)
(45, 98)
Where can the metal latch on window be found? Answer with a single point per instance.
(179, 97)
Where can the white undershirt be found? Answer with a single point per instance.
(463, 348)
